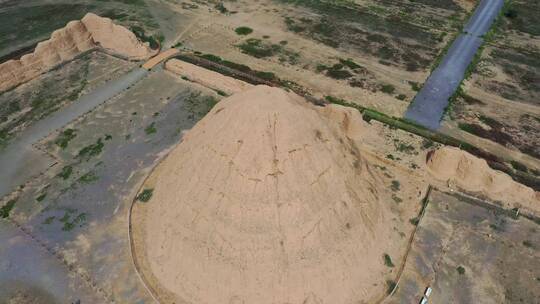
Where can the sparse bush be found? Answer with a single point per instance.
(145, 195)
(401, 96)
(243, 30)
(460, 270)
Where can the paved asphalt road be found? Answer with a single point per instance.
(20, 161)
(428, 106)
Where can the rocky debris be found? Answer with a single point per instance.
(268, 199)
(66, 43)
(473, 174)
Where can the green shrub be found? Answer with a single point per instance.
(243, 30)
(388, 260)
(256, 48)
(460, 270)
(66, 172)
(89, 177)
(401, 96)
(395, 185)
(519, 166)
(349, 63)
(91, 150)
(41, 197)
(391, 285)
(388, 88)
(64, 138)
(151, 129)
(145, 195)
(6, 209)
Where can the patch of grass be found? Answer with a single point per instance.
(150, 129)
(387, 260)
(395, 186)
(91, 150)
(66, 172)
(6, 209)
(145, 195)
(243, 30)
(460, 270)
(64, 138)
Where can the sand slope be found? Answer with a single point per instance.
(267, 200)
(473, 174)
(66, 43)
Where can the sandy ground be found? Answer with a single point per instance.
(470, 253)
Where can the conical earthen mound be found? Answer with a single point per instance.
(267, 200)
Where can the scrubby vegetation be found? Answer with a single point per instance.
(150, 129)
(65, 137)
(66, 172)
(263, 49)
(91, 150)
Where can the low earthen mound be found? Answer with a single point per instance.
(473, 174)
(116, 38)
(207, 78)
(268, 200)
(72, 40)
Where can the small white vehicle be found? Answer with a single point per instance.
(428, 291)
